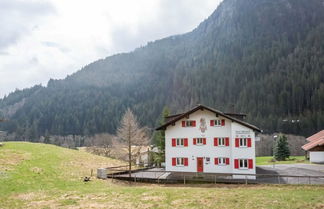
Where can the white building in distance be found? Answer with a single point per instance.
(315, 147)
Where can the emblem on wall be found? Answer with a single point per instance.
(203, 125)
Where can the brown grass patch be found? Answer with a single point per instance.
(10, 158)
(81, 164)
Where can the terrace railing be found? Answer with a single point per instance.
(162, 176)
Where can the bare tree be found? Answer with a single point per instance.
(100, 144)
(130, 133)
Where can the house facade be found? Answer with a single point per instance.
(209, 141)
(315, 147)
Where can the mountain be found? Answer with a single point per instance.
(264, 58)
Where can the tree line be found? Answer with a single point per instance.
(241, 63)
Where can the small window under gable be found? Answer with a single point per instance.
(188, 123)
(217, 122)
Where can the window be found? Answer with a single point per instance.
(180, 161)
(200, 141)
(217, 122)
(189, 123)
(222, 161)
(243, 142)
(221, 141)
(179, 142)
(243, 163)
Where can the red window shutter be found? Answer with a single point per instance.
(227, 141)
(185, 161)
(250, 163)
(204, 140)
(194, 141)
(227, 161)
(216, 161)
(236, 163)
(186, 142)
(215, 142)
(237, 142)
(174, 161)
(223, 122)
(194, 123)
(183, 123)
(212, 122)
(174, 143)
(249, 142)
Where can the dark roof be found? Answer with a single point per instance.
(171, 117)
(199, 107)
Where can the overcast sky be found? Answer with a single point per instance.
(43, 39)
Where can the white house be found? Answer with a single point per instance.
(315, 147)
(209, 141)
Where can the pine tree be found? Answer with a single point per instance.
(281, 149)
(159, 139)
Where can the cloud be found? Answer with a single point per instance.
(55, 45)
(43, 39)
(170, 18)
(18, 18)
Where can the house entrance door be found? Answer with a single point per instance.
(200, 164)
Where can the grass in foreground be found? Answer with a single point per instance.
(268, 160)
(46, 176)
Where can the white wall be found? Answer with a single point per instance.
(231, 130)
(316, 157)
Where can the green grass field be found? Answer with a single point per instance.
(268, 160)
(47, 176)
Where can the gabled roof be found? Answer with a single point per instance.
(316, 136)
(200, 107)
(314, 141)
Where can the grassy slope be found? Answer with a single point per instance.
(46, 176)
(267, 160)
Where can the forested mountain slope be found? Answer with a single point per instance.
(264, 58)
